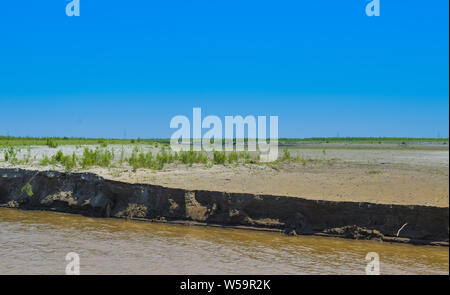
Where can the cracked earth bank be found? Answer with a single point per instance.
(114, 195)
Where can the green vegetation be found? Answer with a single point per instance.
(372, 140)
(139, 159)
(27, 189)
(142, 157)
(69, 162)
(191, 157)
(96, 157)
(219, 157)
(286, 157)
(10, 154)
(51, 143)
(54, 142)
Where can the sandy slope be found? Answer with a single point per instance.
(377, 176)
(384, 184)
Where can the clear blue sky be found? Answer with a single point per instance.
(127, 67)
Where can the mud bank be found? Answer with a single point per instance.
(91, 195)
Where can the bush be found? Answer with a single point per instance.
(51, 143)
(162, 158)
(45, 161)
(233, 157)
(219, 157)
(96, 157)
(102, 143)
(27, 189)
(191, 157)
(139, 159)
(286, 156)
(246, 157)
(69, 162)
(11, 154)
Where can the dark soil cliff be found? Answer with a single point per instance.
(88, 194)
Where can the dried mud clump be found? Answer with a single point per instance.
(355, 232)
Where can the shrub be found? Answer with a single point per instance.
(27, 189)
(51, 143)
(246, 157)
(102, 143)
(69, 162)
(45, 161)
(162, 158)
(233, 157)
(286, 156)
(139, 159)
(11, 154)
(219, 157)
(191, 157)
(96, 157)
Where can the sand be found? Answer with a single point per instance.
(384, 176)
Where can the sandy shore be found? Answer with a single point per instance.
(91, 195)
(384, 176)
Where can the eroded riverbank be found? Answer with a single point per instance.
(400, 177)
(91, 195)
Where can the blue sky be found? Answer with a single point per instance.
(125, 68)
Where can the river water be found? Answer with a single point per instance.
(36, 242)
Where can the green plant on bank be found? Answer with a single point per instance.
(139, 159)
(69, 162)
(45, 161)
(10, 154)
(27, 189)
(233, 157)
(191, 157)
(96, 157)
(219, 157)
(27, 157)
(241, 158)
(122, 156)
(286, 157)
(58, 141)
(247, 158)
(148, 160)
(51, 143)
(102, 143)
(162, 158)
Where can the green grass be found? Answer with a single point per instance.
(97, 157)
(219, 157)
(100, 156)
(372, 140)
(51, 143)
(27, 189)
(10, 154)
(69, 162)
(191, 157)
(54, 142)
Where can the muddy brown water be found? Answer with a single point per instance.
(36, 242)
